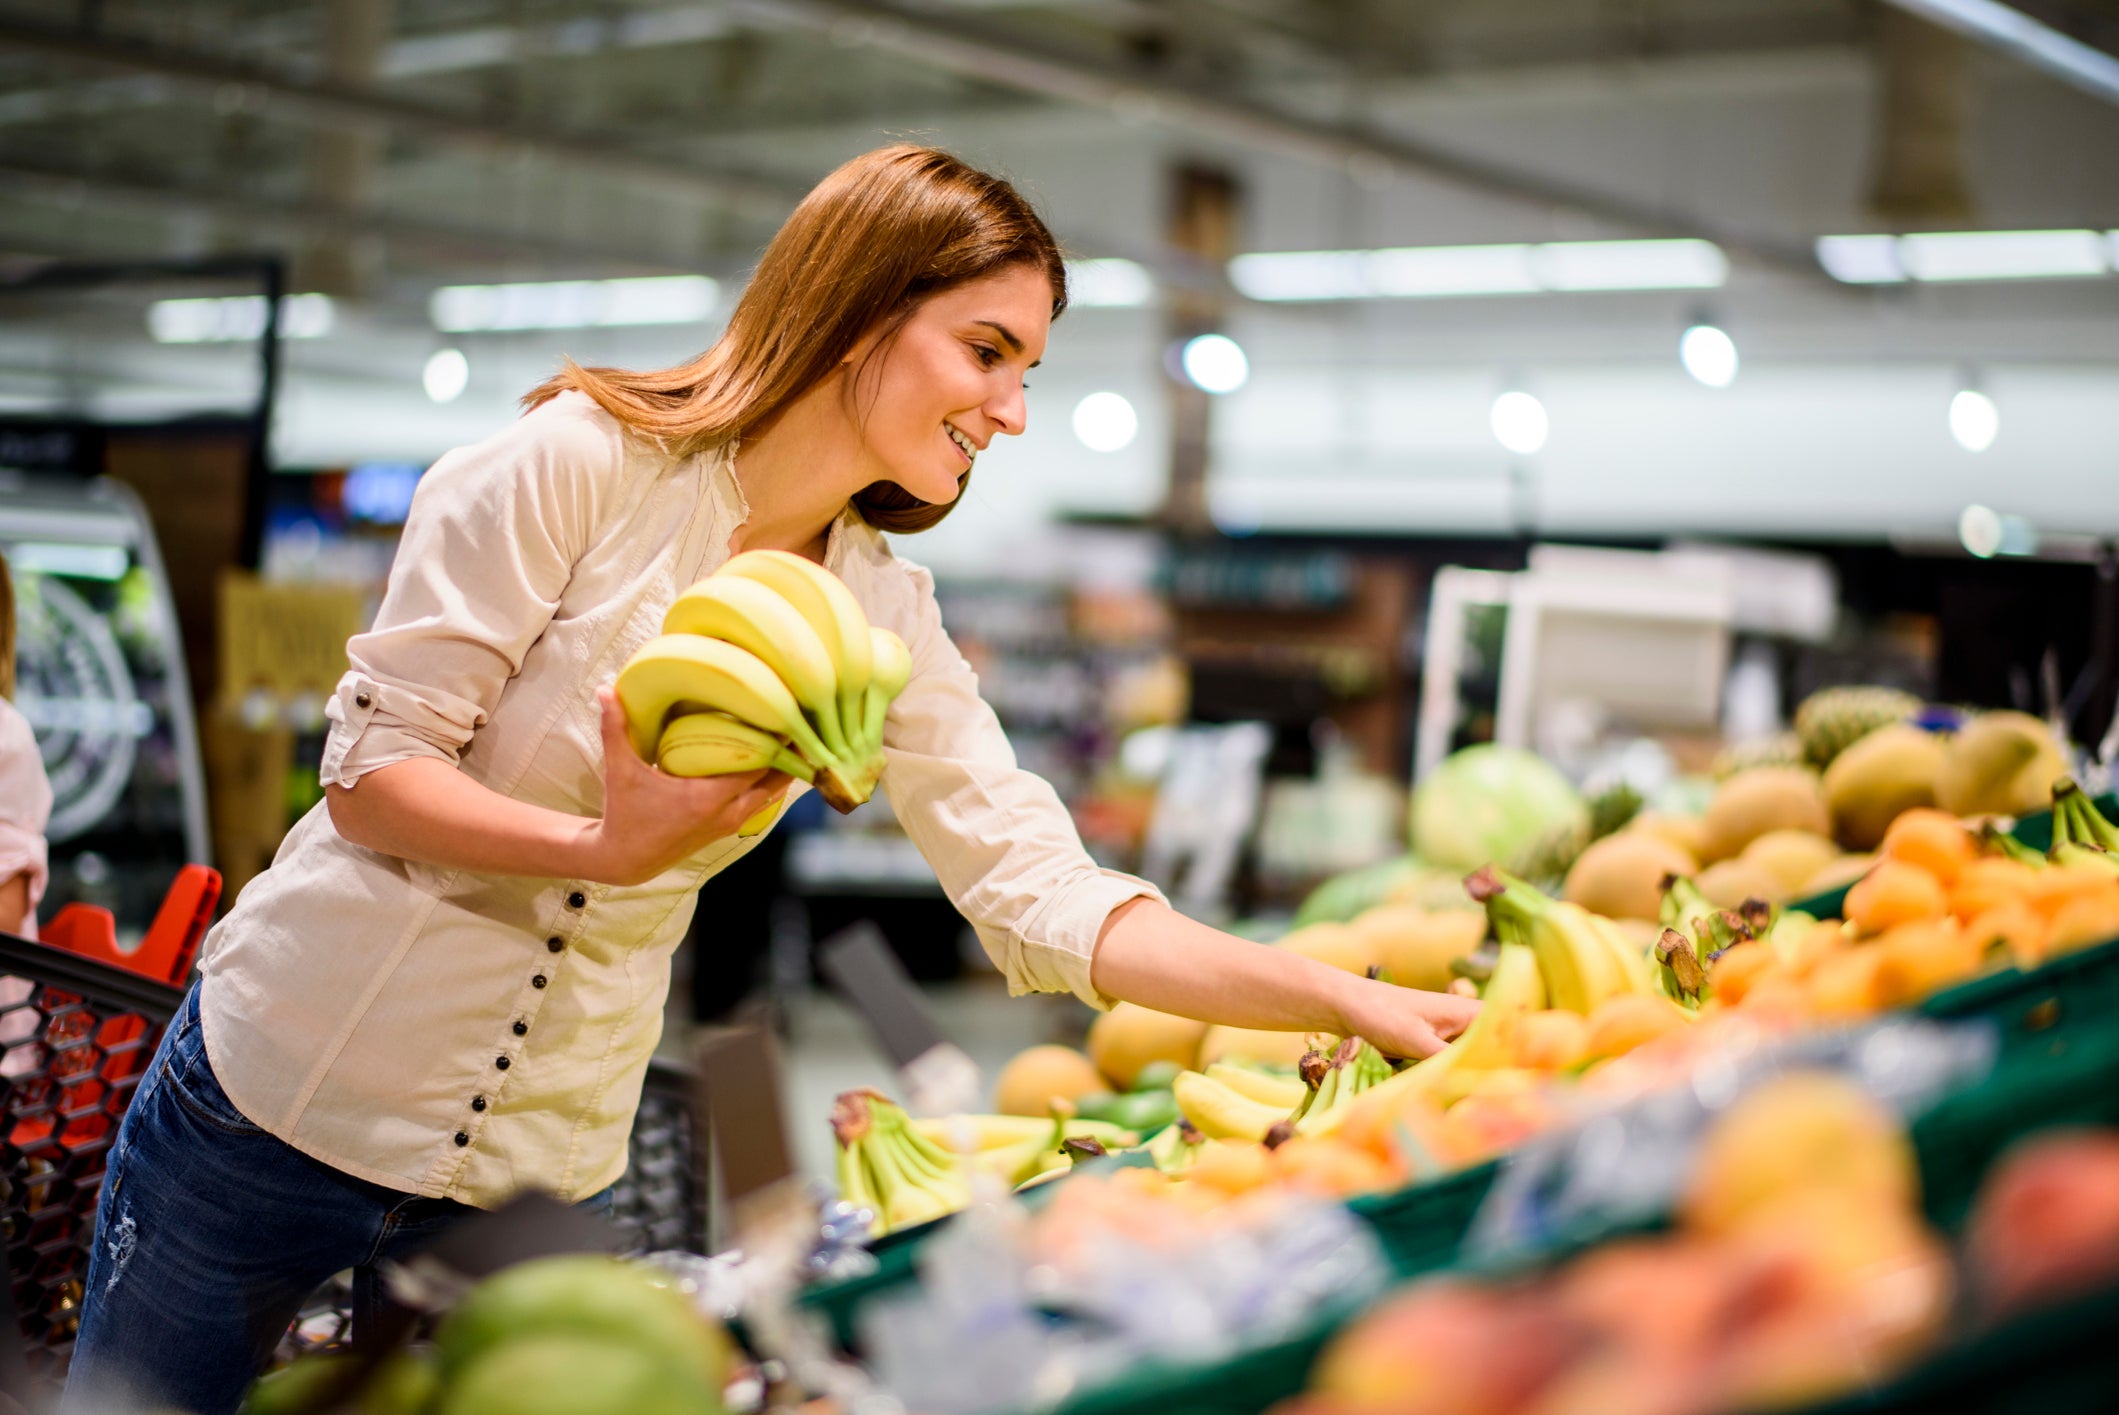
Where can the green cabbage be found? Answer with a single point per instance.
(1503, 806)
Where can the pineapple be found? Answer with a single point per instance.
(1832, 719)
(1780, 749)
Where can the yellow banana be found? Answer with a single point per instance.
(689, 673)
(1579, 967)
(1287, 1092)
(855, 1187)
(715, 744)
(762, 820)
(1489, 1043)
(752, 616)
(832, 611)
(970, 1134)
(892, 671)
(1221, 1113)
(1634, 964)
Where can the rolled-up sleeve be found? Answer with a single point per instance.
(489, 544)
(998, 837)
(25, 808)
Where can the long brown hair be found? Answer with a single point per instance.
(7, 632)
(862, 250)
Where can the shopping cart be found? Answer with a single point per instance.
(76, 1035)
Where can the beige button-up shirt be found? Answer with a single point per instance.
(465, 1035)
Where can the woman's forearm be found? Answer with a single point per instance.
(1150, 954)
(427, 810)
(1155, 956)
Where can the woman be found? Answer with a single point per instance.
(25, 793)
(448, 985)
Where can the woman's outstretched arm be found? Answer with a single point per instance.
(1150, 954)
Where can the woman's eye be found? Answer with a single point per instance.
(987, 357)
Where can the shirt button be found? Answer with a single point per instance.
(502, 1062)
(577, 900)
(478, 1102)
(362, 700)
(538, 981)
(555, 944)
(521, 1028)
(462, 1139)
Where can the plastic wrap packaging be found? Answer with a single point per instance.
(1625, 1165)
(1013, 1316)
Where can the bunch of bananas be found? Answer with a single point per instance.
(1695, 933)
(1016, 1149)
(1230, 1102)
(889, 1168)
(1585, 957)
(1514, 989)
(908, 1171)
(2081, 834)
(767, 663)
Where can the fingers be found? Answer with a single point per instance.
(1425, 1041)
(617, 742)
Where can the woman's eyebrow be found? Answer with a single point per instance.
(1014, 344)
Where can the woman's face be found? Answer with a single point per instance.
(950, 380)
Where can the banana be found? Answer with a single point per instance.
(1287, 1092)
(2077, 821)
(762, 820)
(908, 1199)
(855, 1186)
(1355, 1068)
(685, 671)
(1633, 961)
(715, 744)
(1221, 1113)
(832, 611)
(892, 671)
(1489, 1043)
(751, 616)
(2072, 853)
(1580, 971)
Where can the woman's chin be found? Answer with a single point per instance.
(930, 490)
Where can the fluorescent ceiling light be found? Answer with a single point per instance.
(1216, 363)
(574, 304)
(2007, 28)
(1109, 284)
(1968, 255)
(228, 319)
(1452, 270)
(1974, 420)
(1428, 272)
(2003, 255)
(1709, 355)
(1861, 260)
(1519, 422)
(446, 375)
(1630, 265)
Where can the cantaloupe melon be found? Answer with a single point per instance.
(1128, 1037)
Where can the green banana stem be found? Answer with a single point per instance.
(1996, 841)
(1506, 896)
(2085, 824)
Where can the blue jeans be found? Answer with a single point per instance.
(210, 1233)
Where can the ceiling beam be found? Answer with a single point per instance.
(967, 46)
(319, 220)
(2014, 31)
(340, 103)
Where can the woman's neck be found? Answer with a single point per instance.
(798, 475)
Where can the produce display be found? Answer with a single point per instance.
(768, 662)
(1799, 1269)
(1581, 1009)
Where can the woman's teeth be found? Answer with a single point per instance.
(970, 448)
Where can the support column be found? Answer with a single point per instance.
(343, 159)
(1920, 175)
(1203, 220)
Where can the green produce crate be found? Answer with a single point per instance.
(2060, 1355)
(2033, 1009)
(1421, 1225)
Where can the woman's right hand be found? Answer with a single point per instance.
(653, 821)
